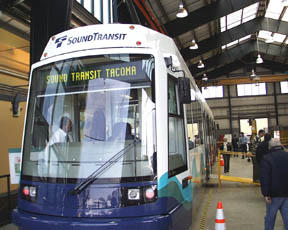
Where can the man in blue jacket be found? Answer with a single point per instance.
(274, 183)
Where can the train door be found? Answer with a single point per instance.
(178, 166)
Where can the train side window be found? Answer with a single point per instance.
(177, 159)
(172, 97)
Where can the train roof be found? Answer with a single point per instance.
(106, 36)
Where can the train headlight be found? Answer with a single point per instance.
(138, 195)
(29, 192)
(149, 193)
(134, 194)
(33, 191)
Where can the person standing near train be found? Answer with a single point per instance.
(243, 144)
(274, 183)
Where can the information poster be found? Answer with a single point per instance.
(15, 165)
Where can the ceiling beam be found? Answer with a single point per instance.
(204, 15)
(237, 52)
(223, 70)
(238, 64)
(14, 30)
(224, 38)
(243, 80)
(228, 56)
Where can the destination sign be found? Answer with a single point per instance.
(128, 72)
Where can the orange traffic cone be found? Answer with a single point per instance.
(220, 220)
(221, 160)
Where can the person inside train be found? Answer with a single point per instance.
(52, 153)
(95, 124)
(191, 143)
(122, 131)
(98, 129)
(62, 134)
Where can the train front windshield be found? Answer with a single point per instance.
(89, 114)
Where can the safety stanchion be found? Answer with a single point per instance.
(232, 178)
(220, 223)
(221, 160)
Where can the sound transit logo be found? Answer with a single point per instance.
(90, 37)
(60, 40)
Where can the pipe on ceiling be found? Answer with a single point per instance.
(13, 74)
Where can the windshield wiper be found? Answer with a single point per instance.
(94, 176)
(93, 138)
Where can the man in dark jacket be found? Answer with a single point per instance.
(274, 183)
(262, 148)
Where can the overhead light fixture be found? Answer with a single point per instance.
(200, 65)
(204, 78)
(259, 59)
(194, 45)
(182, 12)
(253, 74)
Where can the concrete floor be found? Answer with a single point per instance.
(9, 227)
(243, 205)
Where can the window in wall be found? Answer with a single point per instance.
(264, 35)
(193, 94)
(235, 19)
(241, 40)
(95, 7)
(284, 86)
(88, 5)
(212, 91)
(261, 123)
(251, 89)
(177, 159)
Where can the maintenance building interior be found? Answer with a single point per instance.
(236, 51)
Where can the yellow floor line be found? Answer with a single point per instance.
(204, 215)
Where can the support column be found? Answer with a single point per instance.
(230, 110)
(275, 104)
(48, 17)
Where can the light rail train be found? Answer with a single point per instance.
(117, 135)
